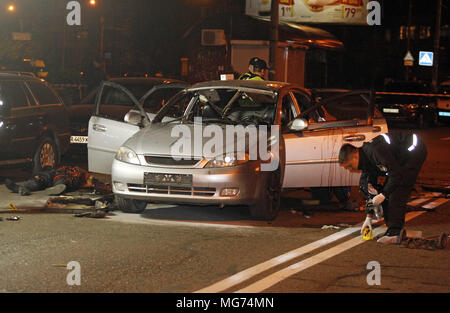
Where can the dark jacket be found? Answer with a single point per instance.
(385, 157)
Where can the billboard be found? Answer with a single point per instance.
(313, 11)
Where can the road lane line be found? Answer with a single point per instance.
(293, 269)
(435, 203)
(257, 269)
(417, 201)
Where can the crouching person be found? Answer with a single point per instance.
(399, 157)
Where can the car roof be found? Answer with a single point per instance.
(252, 84)
(144, 80)
(10, 75)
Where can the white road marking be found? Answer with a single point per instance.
(137, 219)
(435, 203)
(293, 269)
(417, 201)
(257, 269)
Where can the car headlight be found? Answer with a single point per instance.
(413, 106)
(227, 161)
(127, 155)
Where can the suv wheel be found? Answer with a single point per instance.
(46, 155)
(130, 205)
(268, 206)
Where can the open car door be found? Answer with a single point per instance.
(110, 125)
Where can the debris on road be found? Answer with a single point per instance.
(80, 204)
(415, 240)
(330, 227)
(13, 218)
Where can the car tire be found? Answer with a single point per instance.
(321, 193)
(46, 155)
(342, 194)
(267, 207)
(130, 205)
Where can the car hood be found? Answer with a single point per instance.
(161, 139)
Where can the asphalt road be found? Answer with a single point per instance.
(187, 249)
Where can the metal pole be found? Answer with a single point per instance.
(437, 35)
(274, 19)
(102, 39)
(408, 39)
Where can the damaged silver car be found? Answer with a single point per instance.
(175, 159)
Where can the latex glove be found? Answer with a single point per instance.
(372, 190)
(378, 199)
(367, 223)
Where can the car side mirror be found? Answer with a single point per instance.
(133, 118)
(298, 124)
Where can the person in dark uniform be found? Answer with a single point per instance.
(256, 70)
(398, 157)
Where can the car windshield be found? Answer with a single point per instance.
(223, 105)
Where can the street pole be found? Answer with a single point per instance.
(274, 18)
(102, 39)
(408, 39)
(437, 36)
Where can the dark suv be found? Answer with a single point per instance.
(34, 123)
(408, 102)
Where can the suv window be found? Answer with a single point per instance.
(43, 94)
(12, 94)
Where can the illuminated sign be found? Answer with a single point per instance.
(313, 11)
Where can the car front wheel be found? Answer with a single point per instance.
(131, 205)
(267, 207)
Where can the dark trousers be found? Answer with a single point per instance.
(395, 210)
(41, 180)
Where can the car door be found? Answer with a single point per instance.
(107, 129)
(19, 123)
(312, 154)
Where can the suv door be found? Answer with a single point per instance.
(107, 129)
(52, 113)
(18, 123)
(312, 154)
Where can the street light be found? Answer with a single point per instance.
(92, 2)
(11, 8)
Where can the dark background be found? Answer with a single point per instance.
(146, 37)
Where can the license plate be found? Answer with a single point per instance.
(387, 110)
(182, 180)
(79, 139)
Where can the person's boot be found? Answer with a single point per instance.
(11, 185)
(55, 190)
(23, 191)
(390, 237)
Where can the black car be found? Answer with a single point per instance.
(34, 122)
(408, 102)
(116, 96)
